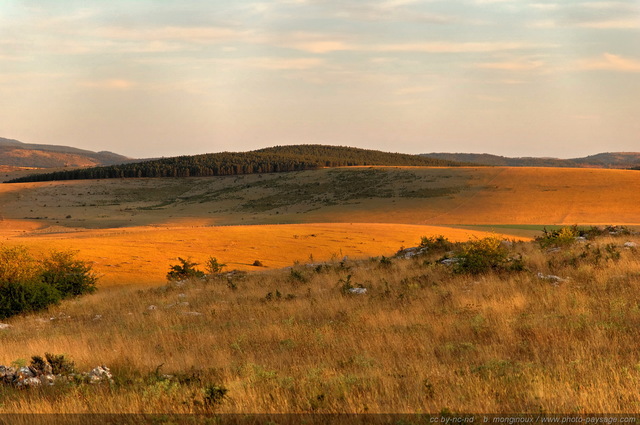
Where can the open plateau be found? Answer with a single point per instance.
(368, 288)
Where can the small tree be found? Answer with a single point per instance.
(186, 270)
(213, 266)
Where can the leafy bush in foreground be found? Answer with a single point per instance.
(28, 284)
(481, 255)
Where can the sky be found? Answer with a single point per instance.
(149, 78)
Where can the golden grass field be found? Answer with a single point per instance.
(423, 339)
(128, 228)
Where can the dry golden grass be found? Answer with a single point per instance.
(421, 340)
(142, 255)
(132, 229)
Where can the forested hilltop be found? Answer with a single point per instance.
(269, 160)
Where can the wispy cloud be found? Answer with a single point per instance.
(517, 65)
(327, 43)
(455, 47)
(109, 84)
(283, 63)
(414, 90)
(174, 33)
(593, 15)
(611, 62)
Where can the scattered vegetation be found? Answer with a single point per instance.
(437, 243)
(567, 235)
(30, 284)
(185, 270)
(557, 335)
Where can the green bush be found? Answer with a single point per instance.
(560, 237)
(214, 395)
(481, 255)
(186, 270)
(28, 284)
(435, 243)
(214, 267)
(18, 265)
(68, 275)
(25, 297)
(60, 365)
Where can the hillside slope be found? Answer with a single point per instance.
(271, 160)
(617, 160)
(416, 195)
(18, 154)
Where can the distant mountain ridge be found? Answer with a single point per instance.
(617, 160)
(18, 154)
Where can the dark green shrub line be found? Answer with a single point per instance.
(28, 284)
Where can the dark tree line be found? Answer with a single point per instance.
(271, 160)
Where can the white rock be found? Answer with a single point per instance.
(192, 313)
(152, 307)
(551, 278)
(100, 373)
(449, 261)
(630, 244)
(29, 382)
(4, 326)
(358, 291)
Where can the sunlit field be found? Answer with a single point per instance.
(422, 339)
(552, 332)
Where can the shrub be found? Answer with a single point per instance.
(481, 255)
(68, 275)
(559, 237)
(60, 365)
(186, 270)
(24, 297)
(214, 395)
(435, 243)
(17, 265)
(28, 284)
(213, 266)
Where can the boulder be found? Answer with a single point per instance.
(100, 374)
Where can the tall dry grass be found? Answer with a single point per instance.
(422, 339)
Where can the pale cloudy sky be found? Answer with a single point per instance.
(168, 77)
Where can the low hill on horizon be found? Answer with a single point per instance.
(14, 153)
(616, 160)
(268, 160)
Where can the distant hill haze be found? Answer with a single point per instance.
(17, 154)
(618, 160)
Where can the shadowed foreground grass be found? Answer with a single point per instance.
(422, 339)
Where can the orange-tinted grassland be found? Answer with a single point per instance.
(132, 230)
